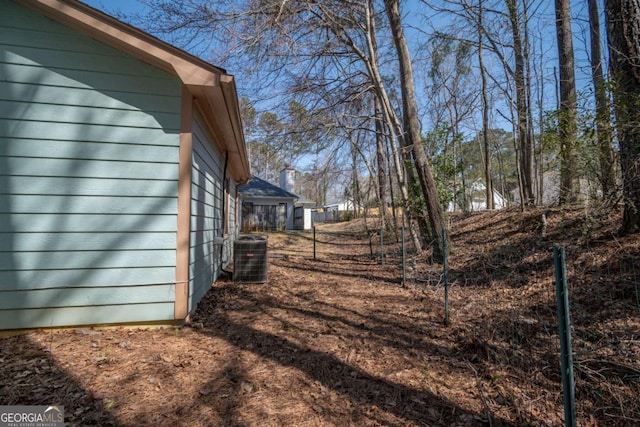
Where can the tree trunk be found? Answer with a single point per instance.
(541, 138)
(568, 105)
(603, 117)
(380, 161)
(530, 139)
(406, 219)
(412, 139)
(623, 32)
(524, 144)
(356, 196)
(390, 119)
(485, 116)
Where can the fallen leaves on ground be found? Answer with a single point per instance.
(338, 340)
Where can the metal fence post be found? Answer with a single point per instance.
(564, 321)
(314, 242)
(382, 245)
(404, 260)
(445, 266)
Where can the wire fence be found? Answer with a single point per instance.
(601, 311)
(600, 285)
(605, 284)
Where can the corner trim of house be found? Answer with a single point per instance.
(181, 309)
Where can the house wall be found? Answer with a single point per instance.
(89, 143)
(207, 201)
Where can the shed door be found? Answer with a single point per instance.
(282, 216)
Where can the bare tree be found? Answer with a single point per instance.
(485, 113)
(412, 139)
(623, 33)
(603, 115)
(382, 170)
(567, 126)
(525, 143)
(391, 122)
(511, 48)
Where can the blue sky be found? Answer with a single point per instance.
(110, 6)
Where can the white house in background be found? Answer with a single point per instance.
(477, 198)
(331, 212)
(345, 205)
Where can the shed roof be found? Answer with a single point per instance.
(259, 188)
(212, 88)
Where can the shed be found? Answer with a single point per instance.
(266, 206)
(120, 157)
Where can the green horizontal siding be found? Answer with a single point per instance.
(88, 150)
(17, 130)
(77, 260)
(70, 297)
(124, 88)
(205, 209)
(227, 250)
(61, 204)
(63, 58)
(53, 36)
(84, 96)
(90, 315)
(89, 146)
(74, 241)
(65, 186)
(87, 223)
(87, 277)
(88, 168)
(29, 111)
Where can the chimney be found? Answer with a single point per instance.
(288, 179)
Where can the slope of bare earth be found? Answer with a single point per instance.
(338, 340)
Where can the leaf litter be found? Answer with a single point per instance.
(338, 340)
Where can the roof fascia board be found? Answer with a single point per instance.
(214, 110)
(223, 105)
(231, 101)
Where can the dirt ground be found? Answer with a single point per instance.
(338, 340)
